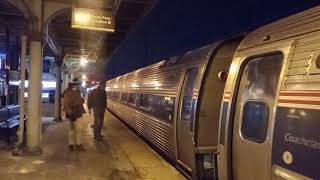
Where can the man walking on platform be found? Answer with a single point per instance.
(73, 107)
(97, 100)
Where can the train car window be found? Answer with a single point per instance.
(125, 97)
(187, 107)
(255, 120)
(318, 62)
(163, 107)
(146, 101)
(136, 98)
(188, 101)
(133, 98)
(256, 95)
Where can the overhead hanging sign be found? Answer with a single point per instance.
(91, 19)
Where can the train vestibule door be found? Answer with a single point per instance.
(185, 120)
(253, 117)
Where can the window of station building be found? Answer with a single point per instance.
(2, 86)
(255, 121)
(46, 66)
(163, 107)
(146, 101)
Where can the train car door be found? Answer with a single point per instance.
(253, 116)
(185, 120)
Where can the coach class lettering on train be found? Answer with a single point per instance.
(297, 131)
(302, 141)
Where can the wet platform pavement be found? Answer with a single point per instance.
(120, 156)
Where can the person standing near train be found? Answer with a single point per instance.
(73, 107)
(97, 100)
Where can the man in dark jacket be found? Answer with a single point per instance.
(97, 100)
(73, 107)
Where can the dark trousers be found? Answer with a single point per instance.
(98, 122)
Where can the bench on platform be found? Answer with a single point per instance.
(9, 121)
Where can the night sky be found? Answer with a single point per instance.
(174, 27)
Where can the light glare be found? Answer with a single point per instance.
(83, 61)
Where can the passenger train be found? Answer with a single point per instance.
(245, 108)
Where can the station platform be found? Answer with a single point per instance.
(120, 156)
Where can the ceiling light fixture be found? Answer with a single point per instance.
(83, 61)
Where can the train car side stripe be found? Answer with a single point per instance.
(300, 99)
(226, 96)
(299, 102)
(313, 94)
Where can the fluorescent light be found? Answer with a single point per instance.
(49, 84)
(14, 83)
(45, 95)
(45, 84)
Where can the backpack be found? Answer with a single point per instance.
(73, 103)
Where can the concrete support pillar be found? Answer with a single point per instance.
(57, 100)
(22, 86)
(34, 98)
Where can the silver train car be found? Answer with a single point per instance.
(246, 108)
(175, 104)
(269, 124)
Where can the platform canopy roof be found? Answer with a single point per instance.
(95, 45)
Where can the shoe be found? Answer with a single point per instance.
(80, 148)
(71, 147)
